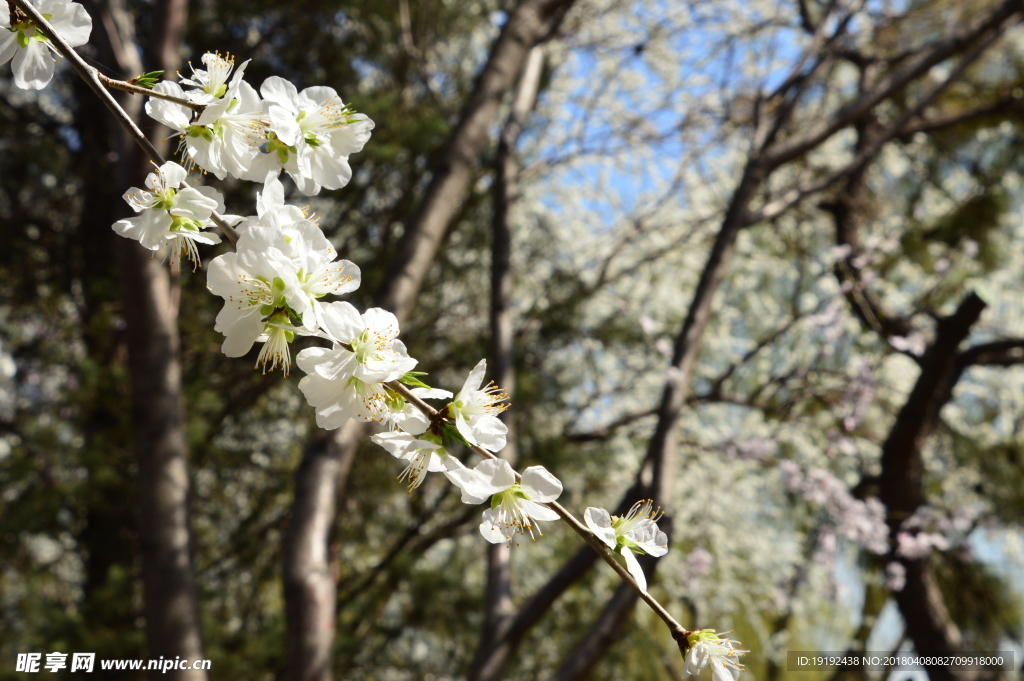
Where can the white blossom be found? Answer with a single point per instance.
(223, 139)
(260, 286)
(311, 135)
(30, 49)
(424, 454)
(171, 219)
(635, 532)
(211, 83)
(347, 382)
(707, 648)
(514, 506)
(475, 411)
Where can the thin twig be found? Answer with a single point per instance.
(125, 86)
(676, 629)
(92, 78)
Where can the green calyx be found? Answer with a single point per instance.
(277, 288)
(166, 201)
(394, 401)
(311, 140)
(513, 492)
(27, 31)
(276, 146)
(279, 317)
(623, 542)
(221, 90)
(363, 347)
(695, 637)
(179, 223)
(199, 131)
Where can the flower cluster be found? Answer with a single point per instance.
(308, 134)
(283, 266)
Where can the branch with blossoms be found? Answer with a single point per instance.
(283, 266)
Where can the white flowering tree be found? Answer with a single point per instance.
(766, 214)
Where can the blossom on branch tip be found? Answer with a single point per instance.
(514, 506)
(475, 411)
(708, 648)
(30, 49)
(171, 219)
(634, 533)
(211, 83)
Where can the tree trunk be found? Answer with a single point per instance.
(498, 605)
(158, 421)
(529, 23)
(928, 623)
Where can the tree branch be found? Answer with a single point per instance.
(916, 65)
(92, 78)
(901, 484)
(529, 23)
(1002, 353)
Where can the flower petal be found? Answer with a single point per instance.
(8, 43)
(489, 527)
(33, 66)
(73, 23)
(540, 484)
(498, 473)
(536, 511)
(489, 432)
(342, 321)
(720, 672)
(280, 91)
(474, 380)
(474, 489)
(600, 523)
(430, 393)
(633, 565)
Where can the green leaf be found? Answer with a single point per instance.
(147, 80)
(410, 379)
(450, 435)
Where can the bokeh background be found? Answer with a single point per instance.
(760, 260)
